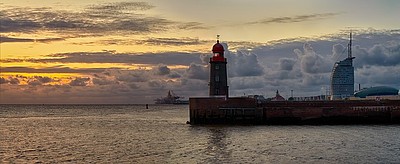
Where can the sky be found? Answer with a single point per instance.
(132, 52)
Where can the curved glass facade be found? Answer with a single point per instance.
(342, 79)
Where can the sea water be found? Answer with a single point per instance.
(134, 134)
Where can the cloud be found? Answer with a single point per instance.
(174, 75)
(161, 69)
(43, 79)
(14, 81)
(191, 26)
(99, 81)
(156, 84)
(191, 87)
(79, 81)
(4, 39)
(171, 41)
(9, 80)
(3, 80)
(196, 71)
(305, 64)
(119, 7)
(251, 82)
(11, 25)
(133, 76)
(381, 55)
(169, 58)
(34, 83)
(50, 70)
(151, 41)
(375, 75)
(295, 19)
(302, 65)
(287, 63)
(242, 63)
(104, 79)
(311, 62)
(118, 18)
(338, 50)
(315, 79)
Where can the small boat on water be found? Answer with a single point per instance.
(171, 98)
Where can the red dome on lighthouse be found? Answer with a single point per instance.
(218, 47)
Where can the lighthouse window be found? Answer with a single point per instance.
(217, 67)
(217, 78)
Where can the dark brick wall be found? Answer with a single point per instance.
(212, 110)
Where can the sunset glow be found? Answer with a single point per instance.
(135, 51)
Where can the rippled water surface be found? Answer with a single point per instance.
(133, 134)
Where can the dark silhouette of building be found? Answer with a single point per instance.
(278, 97)
(342, 78)
(218, 75)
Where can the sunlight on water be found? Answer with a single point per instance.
(133, 134)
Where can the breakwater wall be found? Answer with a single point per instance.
(219, 110)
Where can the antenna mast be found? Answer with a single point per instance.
(349, 47)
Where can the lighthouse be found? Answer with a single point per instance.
(218, 75)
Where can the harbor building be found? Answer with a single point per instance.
(342, 78)
(379, 92)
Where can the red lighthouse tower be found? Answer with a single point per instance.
(218, 75)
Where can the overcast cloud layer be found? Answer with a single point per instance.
(303, 66)
(134, 52)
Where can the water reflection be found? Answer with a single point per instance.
(131, 134)
(217, 146)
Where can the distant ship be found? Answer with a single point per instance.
(171, 98)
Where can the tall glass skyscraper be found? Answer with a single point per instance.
(342, 79)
